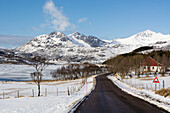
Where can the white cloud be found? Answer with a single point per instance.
(2, 47)
(57, 19)
(12, 41)
(82, 20)
(35, 29)
(43, 25)
(90, 23)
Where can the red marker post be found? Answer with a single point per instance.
(155, 81)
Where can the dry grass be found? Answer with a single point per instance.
(74, 103)
(19, 96)
(164, 92)
(140, 88)
(62, 92)
(146, 78)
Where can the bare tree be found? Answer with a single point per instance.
(136, 63)
(39, 64)
(157, 58)
(75, 71)
(165, 64)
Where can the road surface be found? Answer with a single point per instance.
(108, 98)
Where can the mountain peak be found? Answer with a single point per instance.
(146, 33)
(56, 33)
(76, 33)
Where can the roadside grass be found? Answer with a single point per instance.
(164, 92)
(146, 78)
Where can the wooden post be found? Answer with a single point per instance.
(155, 87)
(68, 90)
(32, 92)
(147, 87)
(17, 94)
(3, 95)
(86, 86)
(74, 88)
(71, 89)
(45, 91)
(143, 87)
(151, 87)
(57, 91)
(135, 88)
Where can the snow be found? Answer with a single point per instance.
(78, 41)
(22, 72)
(108, 41)
(147, 83)
(148, 95)
(75, 47)
(44, 104)
(143, 38)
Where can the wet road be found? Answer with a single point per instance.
(108, 98)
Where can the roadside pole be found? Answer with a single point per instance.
(155, 81)
(135, 88)
(86, 86)
(155, 87)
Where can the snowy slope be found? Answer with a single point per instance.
(90, 40)
(52, 103)
(78, 41)
(77, 47)
(45, 41)
(143, 38)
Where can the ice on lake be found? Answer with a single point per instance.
(22, 72)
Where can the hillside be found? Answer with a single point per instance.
(77, 47)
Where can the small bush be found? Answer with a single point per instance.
(164, 92)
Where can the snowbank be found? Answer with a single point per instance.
(146, 95)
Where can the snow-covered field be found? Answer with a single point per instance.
(143, 88)
(22, 72)
(147, 82)
(50, 102)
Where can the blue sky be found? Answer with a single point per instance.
(106, 19)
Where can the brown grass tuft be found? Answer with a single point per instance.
(146, 79)
(164, 92)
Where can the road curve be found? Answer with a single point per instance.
(108, 98)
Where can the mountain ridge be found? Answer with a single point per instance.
(143, 38)
(78, 47)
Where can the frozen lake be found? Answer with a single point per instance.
(22, 72)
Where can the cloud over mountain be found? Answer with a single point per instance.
(81, 20)
(12, 41)
(57, 19)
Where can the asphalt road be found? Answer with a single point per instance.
(108, 98)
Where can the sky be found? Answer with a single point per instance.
(21, 20)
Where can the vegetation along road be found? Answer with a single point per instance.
(108, 98)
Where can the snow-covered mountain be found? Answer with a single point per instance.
(145, 38)
(90, 40)
(77, 47)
